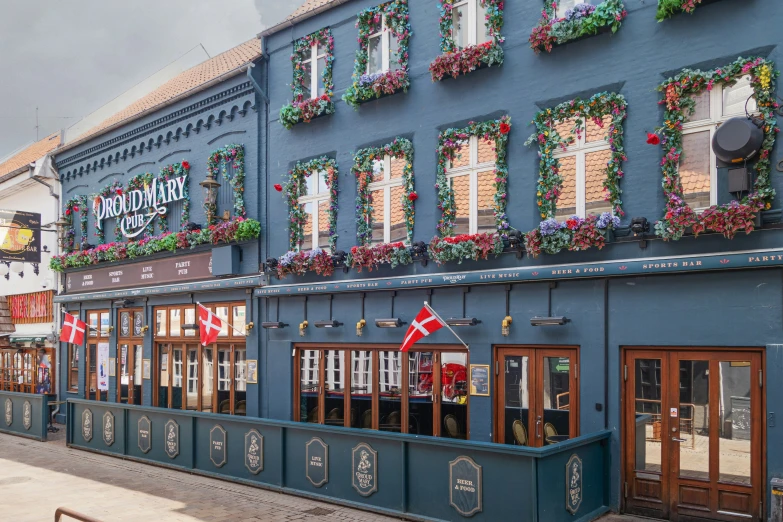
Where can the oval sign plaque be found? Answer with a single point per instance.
(172, 438)
(27, 415)
(217, 446)
(573, 484)
(108, 428)
(145, 434)
(465, 486)
(9, 412)
(365, 469)
(254, 452)
(87, 425)
(317, 462)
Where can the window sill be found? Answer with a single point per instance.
(607, 16)
(464, 61)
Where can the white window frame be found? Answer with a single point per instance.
(560, 12)
(225, 375)
(309, 371)
(390, 370)
(240, 369)
(315, 77)
(177, 368)
(315, 199)
(472, 21)
(580, 148)
(387, 184)
(711, 124)
(384, 35)
(472, 169)
(361, 368)
(334, 370)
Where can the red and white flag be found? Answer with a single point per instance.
(209, 326)
(73, 330)
(426, 322)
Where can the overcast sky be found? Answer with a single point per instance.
(71, 57)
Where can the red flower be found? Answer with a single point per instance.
(653, 139)
(505, 128)
(278, 187)
(76, 209)
(119, 192)
(413, 196)
(186, 165)
(67, 212)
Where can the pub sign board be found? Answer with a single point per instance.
(465, 486)
(27, 415)
(176, 269)
(108, 428)
(317, 462)
(145, 434)
(574, 489)
(365, 469)
(20, 236)
(9, 412)
(254, 452)
(87, 425)
(172, 439)
(217, 446)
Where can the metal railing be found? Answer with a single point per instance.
(61, 511)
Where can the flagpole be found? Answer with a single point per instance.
(237, 330)
(77, 317)
(428, 307)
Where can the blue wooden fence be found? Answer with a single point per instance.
(24, 414)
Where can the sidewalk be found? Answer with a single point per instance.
(38, 477)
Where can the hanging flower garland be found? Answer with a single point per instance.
(677, 96)
(576, 233)
(172, 172)
(400, 149)
(583, 20)
(449, 145)
(141, 182)
(112, 189)
(454, 61)
(368, 86)
(464, 246)
(218, 162)
(75, 205)
(669, 8)
(296, 187)
(300, 263)
(303, 108)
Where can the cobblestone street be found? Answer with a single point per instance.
(36, 478)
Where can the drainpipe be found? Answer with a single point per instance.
(56, 284)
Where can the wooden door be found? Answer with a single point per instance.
(537, 398)
(693, 448)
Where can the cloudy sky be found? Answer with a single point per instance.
(69, 58)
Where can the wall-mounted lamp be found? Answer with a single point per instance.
(193, 327)
(328, 324)
(210, 186)
(505, 326)
(273, 325)
(62, 229)
(462, 321)
(145, 328)
(249, 326)
(110, 329)
(394, 322)
(548, 321)
(302, 328)
(360, 327)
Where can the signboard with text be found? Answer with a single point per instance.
(158, 271)
(20, 236)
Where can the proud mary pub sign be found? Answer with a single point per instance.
(20, 236)
(254, 452)
(365, 469)
(317, 462)
(171, 433)
(465, 486)
(108, 428)
(574, 490)
(87, 425)
(9, 412)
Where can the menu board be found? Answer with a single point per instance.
(158, 271)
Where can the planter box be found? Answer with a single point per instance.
(226, 260)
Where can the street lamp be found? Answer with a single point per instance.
(62, 228)
(210, 186)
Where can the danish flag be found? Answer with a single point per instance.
(426, 322)
(209, 326)
(73, 330)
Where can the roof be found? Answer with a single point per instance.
(306, 10)
(30, 154)
(195, 77)
(309, 6)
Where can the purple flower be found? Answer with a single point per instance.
(549, 226)
(287, 258)
(607, 219)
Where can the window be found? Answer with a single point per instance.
(583, 169)
(423, 393)
(200, 378)
(313, 69)
(469, 24)
(471, 177)
(73, 368)
(386, 195)
(565, 5)
(129, 356)
(316, 207)
(382, 49)
(98, 324)
(698, 164)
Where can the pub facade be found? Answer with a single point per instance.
(160, 216)
(558, 202)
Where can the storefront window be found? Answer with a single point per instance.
(239, 321)
(98, 323)
(361, 388)
(73, 368)
(334, 381)
(190, 318)
(222, 313)
(175, 328)
(309, 379)
(160, 322)
(421, 378)
(390, 391)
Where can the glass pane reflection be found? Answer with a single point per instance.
(694, 419)
(735, 428)
(647, 406)
(517, 400)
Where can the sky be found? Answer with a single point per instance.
(69, 58)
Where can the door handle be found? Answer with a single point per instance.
(675, 439)
(538, 428)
